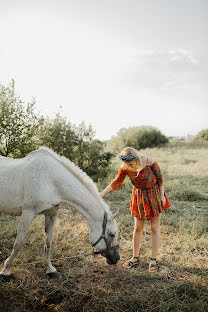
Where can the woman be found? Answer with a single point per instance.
(147, 202)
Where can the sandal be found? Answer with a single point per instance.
(153, 267)
(130, 264)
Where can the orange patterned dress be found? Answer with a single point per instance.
(146, 200)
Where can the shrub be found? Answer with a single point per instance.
(202, 135)
(137, 137)
(19, 125)
(77, 144)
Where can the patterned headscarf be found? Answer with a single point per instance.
(127, 158)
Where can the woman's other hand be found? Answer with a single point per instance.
(163, 199)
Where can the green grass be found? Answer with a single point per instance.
(88, 283)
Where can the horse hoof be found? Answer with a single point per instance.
(52, 274)
(5, 272)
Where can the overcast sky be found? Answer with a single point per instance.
(110, 63)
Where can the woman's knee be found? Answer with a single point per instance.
(155, 224)
(139, 226)
(155, 228)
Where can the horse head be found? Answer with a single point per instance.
(107, 241)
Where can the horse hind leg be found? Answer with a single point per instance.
(24, 223)
(49, 226)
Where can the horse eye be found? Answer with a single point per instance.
(112, 235)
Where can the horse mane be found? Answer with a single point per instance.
(79, 173)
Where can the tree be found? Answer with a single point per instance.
(96, 162)
(77, 144)
(18, 123)
(59, 135)
(202, 135)
(137, 137)
(85, 136)
(22, 131)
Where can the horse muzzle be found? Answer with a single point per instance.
(111, 254)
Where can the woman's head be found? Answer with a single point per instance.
(131, 157)
(128, 153)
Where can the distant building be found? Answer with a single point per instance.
(182, 138)
(189, 137)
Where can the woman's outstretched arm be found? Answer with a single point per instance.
(106, 190)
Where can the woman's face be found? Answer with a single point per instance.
(132, 165)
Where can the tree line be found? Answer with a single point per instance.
(23, 130)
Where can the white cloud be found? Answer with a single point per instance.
(162, 58)
(172, 69)
(183, 56)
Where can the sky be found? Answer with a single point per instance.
(110, 63)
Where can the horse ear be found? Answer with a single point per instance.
(110, 218)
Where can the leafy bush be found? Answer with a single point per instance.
(59, 135)
(22, 131)
(19, 124)
(96, 162)
(77, 144)
(137, 137)
(202, 135)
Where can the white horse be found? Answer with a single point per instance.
(37, 184)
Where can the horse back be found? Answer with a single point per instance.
(25, 182)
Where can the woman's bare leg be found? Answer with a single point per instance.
(138, 235)
(155, 232)
(137, 241)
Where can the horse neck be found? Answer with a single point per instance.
(89, 208)
(83, 200)
(75, 192)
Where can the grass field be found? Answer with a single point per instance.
(88, 283)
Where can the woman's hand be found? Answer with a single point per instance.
(162, 192)
(163, 199)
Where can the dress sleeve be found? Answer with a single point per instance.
(116, 183)
(157, 172)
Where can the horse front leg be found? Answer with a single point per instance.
(24, 223)
(49, 226)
